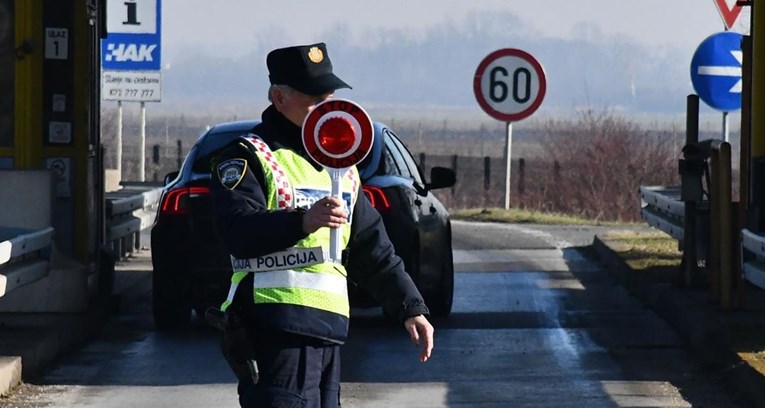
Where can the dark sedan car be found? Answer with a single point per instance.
(192, 270)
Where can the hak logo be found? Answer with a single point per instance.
(134, 52)
(129, 52)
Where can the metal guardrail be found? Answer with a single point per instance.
(661, 208)
(129, 211)
(24, 256)
(754, 269)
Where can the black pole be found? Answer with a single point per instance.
(690, 254)
(454, 167)
(521, 176)
(180, 154)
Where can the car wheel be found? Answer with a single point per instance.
(440, 303)
(171, 303)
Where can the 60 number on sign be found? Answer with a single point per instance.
(509, 84)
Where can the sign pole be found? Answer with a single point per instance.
(508, 163)
(131, 56)
(142, 148)
(119, 139)
(509, 84)
(725, 132)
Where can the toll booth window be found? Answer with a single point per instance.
(7, 72)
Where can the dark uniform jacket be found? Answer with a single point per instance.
(247, 229)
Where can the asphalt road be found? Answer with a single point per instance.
(535, 324)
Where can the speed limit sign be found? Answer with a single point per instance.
(509, 84)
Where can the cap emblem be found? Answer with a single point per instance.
(315, 55)
(231, 172)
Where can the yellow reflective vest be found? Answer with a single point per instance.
(300, 283)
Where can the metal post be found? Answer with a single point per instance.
(744, 154)
(757, 169)
(714, 228)
(454, 168)
(167, 139)
(746, 135)
(179, 154)
(508, 163)
(690, 262)
(119, 139)
(486, 181)
(486, 173)
(726, 228)
(156, 160)
(725, 120)
(521, 176)
(142, 147)
(721, 211)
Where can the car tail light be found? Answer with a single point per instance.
(378, 198)
(176, 201)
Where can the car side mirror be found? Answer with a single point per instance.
(441, 177)
(171, 176)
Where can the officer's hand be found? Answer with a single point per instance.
(327, 212)
(419, 328)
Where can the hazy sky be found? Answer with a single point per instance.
(235, 28)
(228, 27)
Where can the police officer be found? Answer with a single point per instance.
(273, 212)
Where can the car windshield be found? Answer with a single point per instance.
(210, 145)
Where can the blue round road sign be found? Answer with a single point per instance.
(716, 71)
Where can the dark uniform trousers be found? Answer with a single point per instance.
(295, 372)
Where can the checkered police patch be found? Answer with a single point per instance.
(231, 172)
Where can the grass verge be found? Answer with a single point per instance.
(520, 216)
(656, 254)
(644, 250)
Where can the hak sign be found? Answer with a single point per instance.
(130, 53)
(134, 36)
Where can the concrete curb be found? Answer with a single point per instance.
(693, 319)
(30, 342)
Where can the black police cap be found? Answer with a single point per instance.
(305, 68)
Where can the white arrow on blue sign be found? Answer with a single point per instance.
(716, 71)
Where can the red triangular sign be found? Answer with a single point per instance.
(730, 13)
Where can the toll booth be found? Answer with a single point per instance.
(49, 122)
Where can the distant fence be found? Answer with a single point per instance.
(536, 184)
